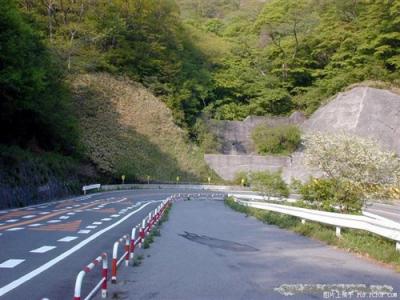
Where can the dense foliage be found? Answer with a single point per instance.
(34, 104)
(276, 140)
(294, 54)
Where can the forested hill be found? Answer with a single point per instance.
(225, 58)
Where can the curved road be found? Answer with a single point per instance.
(43, 247)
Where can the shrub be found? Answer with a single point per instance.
(359, 162)
(330, 193)
(241, 176)
(269, 183)
(276, 140)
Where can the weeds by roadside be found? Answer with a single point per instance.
(155, 232)
(357, 241)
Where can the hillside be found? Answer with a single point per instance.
(127, 130)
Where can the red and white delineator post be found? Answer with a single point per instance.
(142, 233)
(117, 261)
(101, 284)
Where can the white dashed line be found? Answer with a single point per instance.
(35, 225)
(11, 220)
(54, 221)
(39, 270)
(68, 239)
(28, 217)
(70, 213)
(84, 231)
(106, 219)
(63, 217)
(91, 227)
(11, 263)
(15, 229)
(97, 223)
(114, 216)
(44, 213)
(43, 249)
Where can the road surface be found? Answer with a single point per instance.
(390, 211)
(208, 251)
(45, 246)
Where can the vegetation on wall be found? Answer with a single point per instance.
(276, 140)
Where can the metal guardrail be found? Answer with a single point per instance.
(91, 187)
(379, 226)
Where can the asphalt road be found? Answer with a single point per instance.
(390, 211)
(43, 247)
(208, 251)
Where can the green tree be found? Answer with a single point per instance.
(34, 108)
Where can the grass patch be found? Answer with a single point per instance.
(357, 241)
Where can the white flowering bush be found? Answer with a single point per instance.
(361, 162)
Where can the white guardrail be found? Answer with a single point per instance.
(91, 187)
(371, 223)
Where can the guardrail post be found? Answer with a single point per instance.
(132, 250)
(338, 231)
(127, 250)
(141, 233)
(114, 262)
(78, 285)
(104, 274)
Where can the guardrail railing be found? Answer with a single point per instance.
(86, 188)
(130, 243)
(379, 226)
(101, 284)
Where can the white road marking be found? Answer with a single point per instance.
(15, 229)
(70, 213)
(21, 280)
(43, 249)
(1, 224)
(54, 221)
(91, 227)
(106, 219)
(11, 220)
(11, 263)
(28, 217)
(44, 213)
(35, 225)
(68, 239)
(84, 231)
(97, 223)
(114, 216)
(63, 217)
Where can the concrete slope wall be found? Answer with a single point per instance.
(227, 166)
(235, 136)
